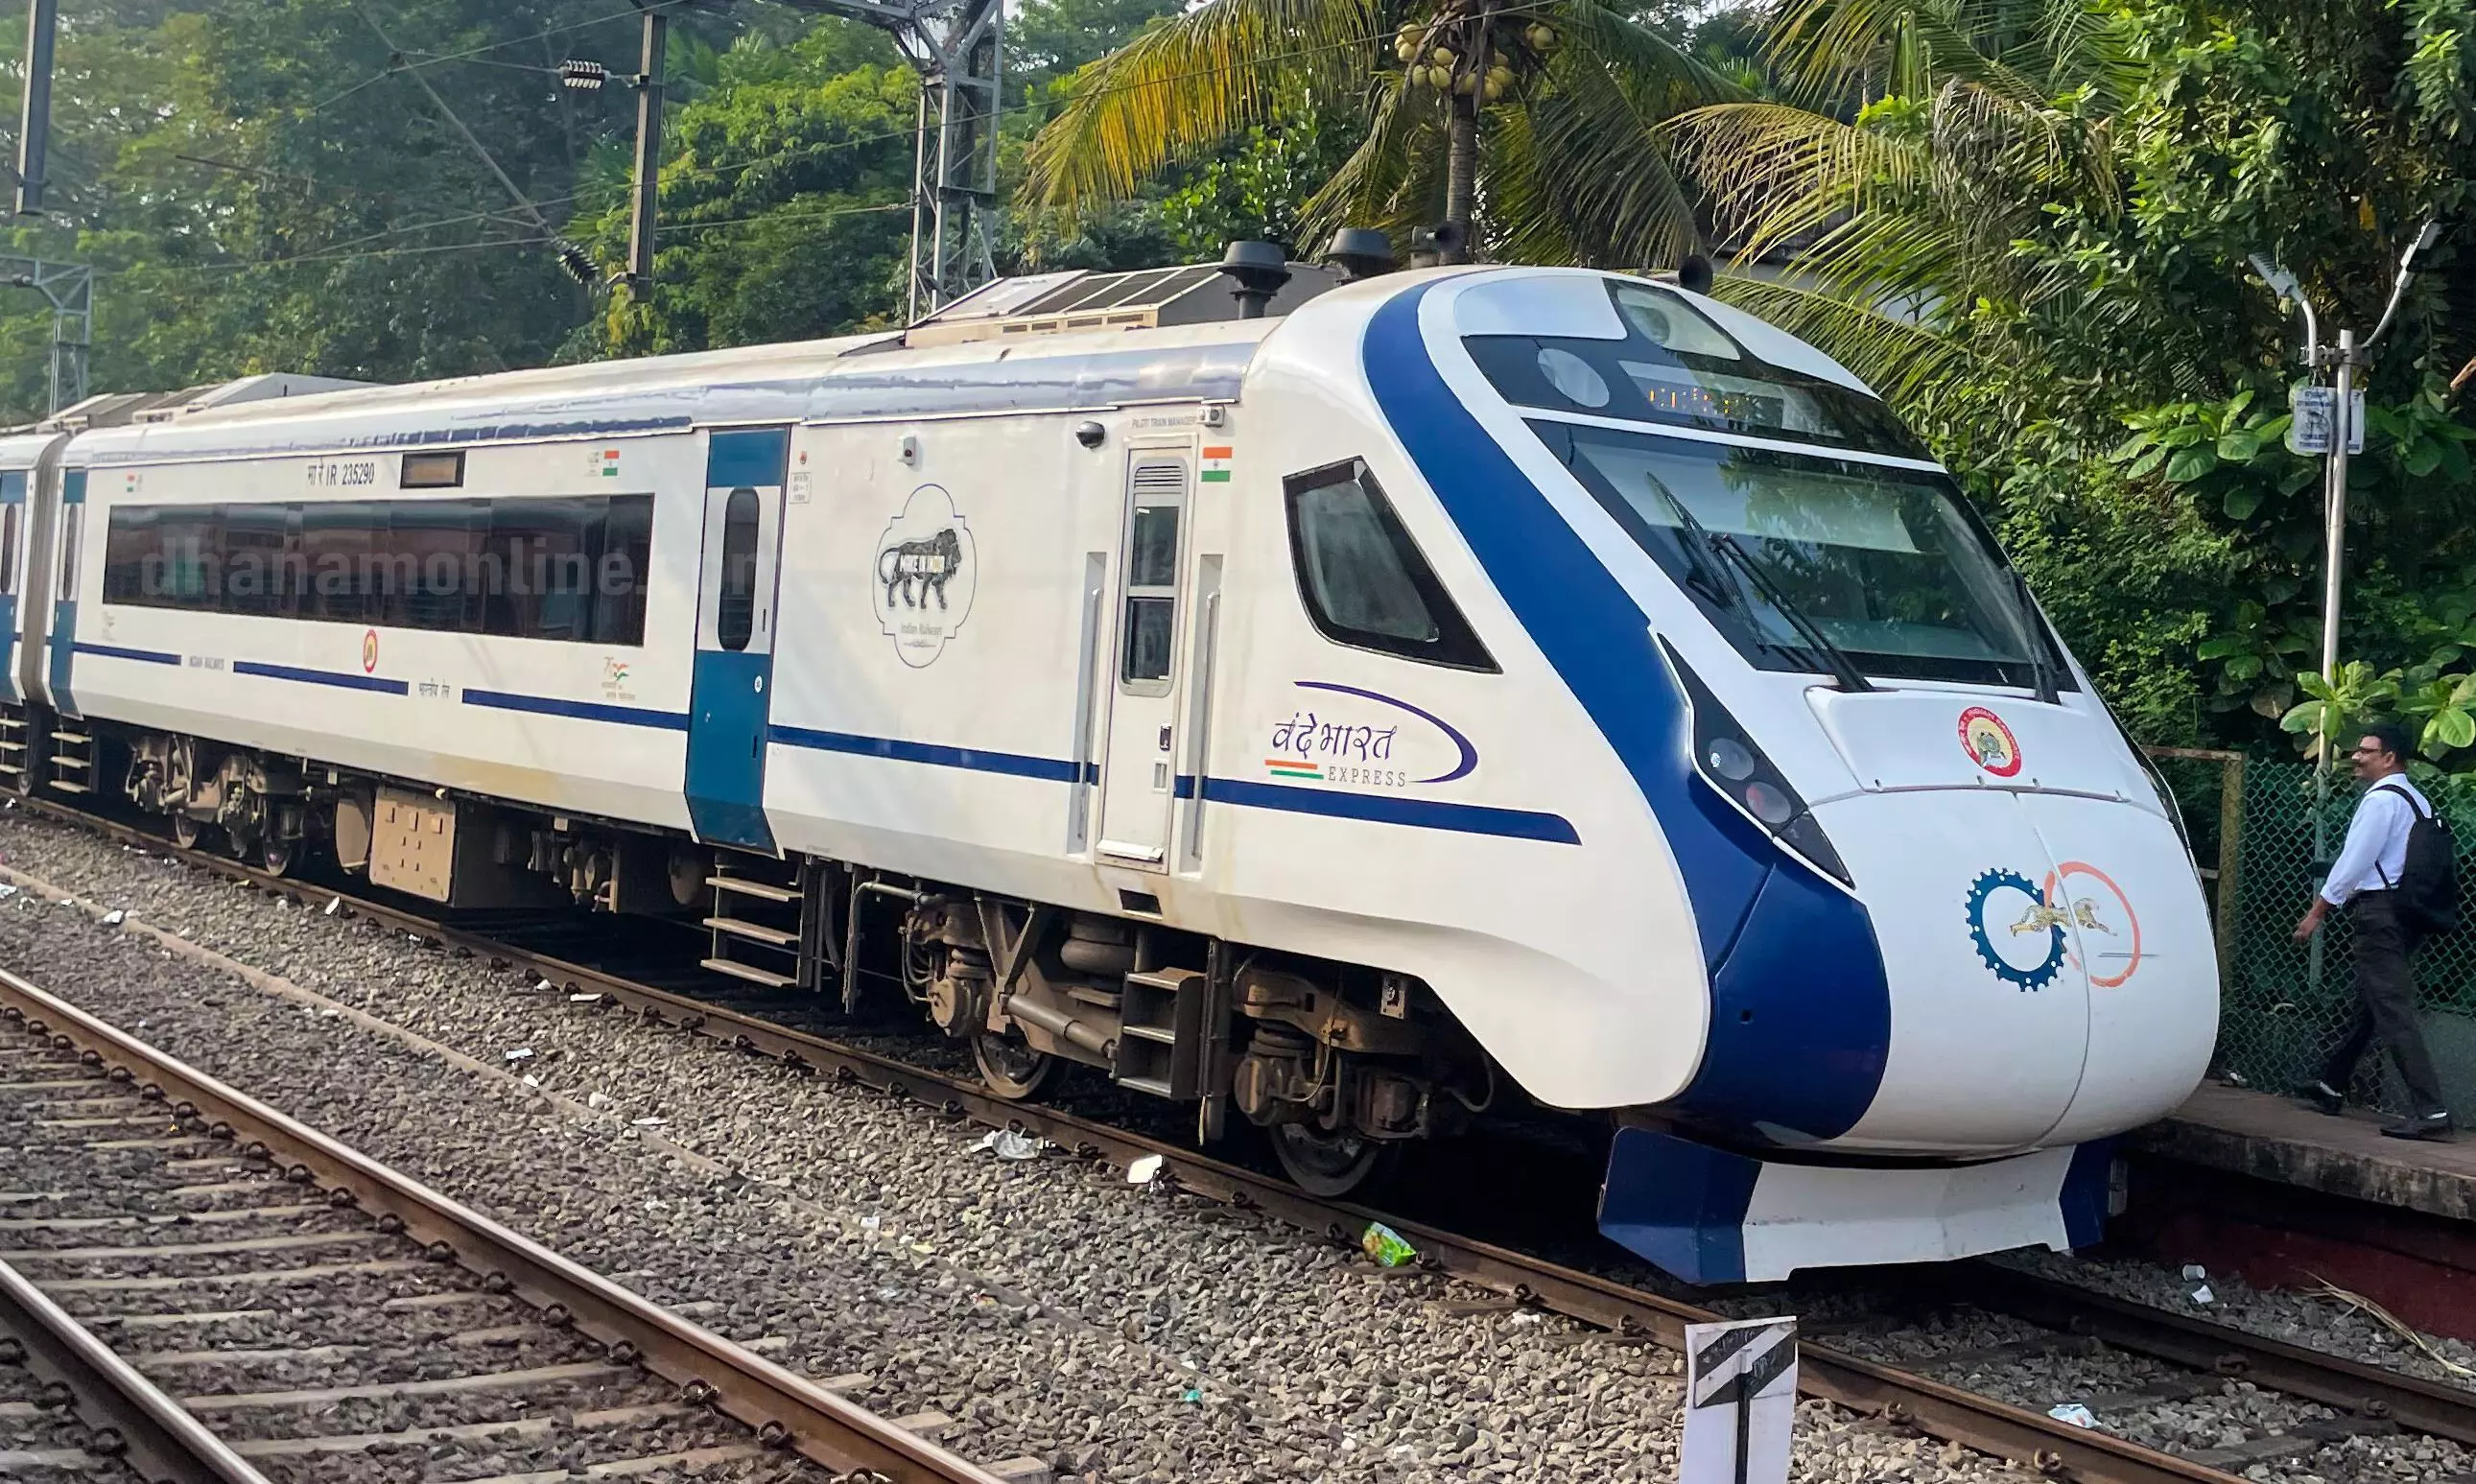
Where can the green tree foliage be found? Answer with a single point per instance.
(2029, 220)
(785, 199)
(1552, 107)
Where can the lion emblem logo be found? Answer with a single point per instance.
(926, 566)
(924, 574)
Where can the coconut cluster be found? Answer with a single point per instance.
(1444, 54)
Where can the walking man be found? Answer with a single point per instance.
(2364, 881)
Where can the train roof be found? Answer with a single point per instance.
(851, 378)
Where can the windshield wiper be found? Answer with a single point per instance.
(1834, 658)
(2033, 631)
(1843, 668)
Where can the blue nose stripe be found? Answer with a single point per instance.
(1814, 1001)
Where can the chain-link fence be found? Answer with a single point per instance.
(2284, 1004)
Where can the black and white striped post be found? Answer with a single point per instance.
(1741, 1401)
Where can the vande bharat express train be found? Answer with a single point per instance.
(1448, 687)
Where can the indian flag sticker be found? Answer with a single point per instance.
(604, 462)
(1293, 768)
(1216, 466)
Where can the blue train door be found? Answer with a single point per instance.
(730, 696)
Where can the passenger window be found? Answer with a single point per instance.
(736, 616)
(13, 520)
(1148, 645)
(72, 528)
(1363, 579)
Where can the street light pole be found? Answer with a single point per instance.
(2345, 358)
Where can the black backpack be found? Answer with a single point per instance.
(2427, 889)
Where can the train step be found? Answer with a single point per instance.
(750, 972)
(745, 886)
(758, 932)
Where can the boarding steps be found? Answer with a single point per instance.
(15, 752)
(768, 919)
(72, 757)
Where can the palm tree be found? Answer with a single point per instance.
(1914, 145)
(1529, 122)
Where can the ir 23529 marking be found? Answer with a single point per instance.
(345, 474)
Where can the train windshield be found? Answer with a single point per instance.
(1885, 564)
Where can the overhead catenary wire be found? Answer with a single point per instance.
(398, 60)
(329, 254)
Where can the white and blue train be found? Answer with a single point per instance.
(1451, 686)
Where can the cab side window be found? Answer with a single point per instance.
(1363, 579)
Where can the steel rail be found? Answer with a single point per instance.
(2414, 1402)
(127, 1415)
(2055, 1449)
(787, 1410)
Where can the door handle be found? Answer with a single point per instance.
(1164, 737)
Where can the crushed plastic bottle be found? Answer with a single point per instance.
(1006, 1144)
(2074, 1413)
(1385, 1245)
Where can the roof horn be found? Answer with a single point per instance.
(1258, 270)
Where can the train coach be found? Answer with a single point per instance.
(1341, 703)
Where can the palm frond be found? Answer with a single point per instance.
(1662, 79)
(1386, 181)
(1191, 82)
(1604, 189)
(1895, 356)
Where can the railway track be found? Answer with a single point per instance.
(2359, 1399)
(204, 1280)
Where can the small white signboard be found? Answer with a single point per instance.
(1739, 1402)
(2312, 425)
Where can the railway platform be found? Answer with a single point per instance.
(2250, 1183)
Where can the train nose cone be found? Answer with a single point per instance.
(1990, 1007)
(2049, 960)
(2140, 936)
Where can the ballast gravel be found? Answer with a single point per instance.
(1050, 1309)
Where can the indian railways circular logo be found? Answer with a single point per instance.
(370, 652)
(2100, 912)
(2014, 929)
(1988, 743)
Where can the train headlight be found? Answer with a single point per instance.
(1728, 758)
(1730, 761)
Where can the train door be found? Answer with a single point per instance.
(69, 543)
(13, 514)
(729, 696)
(1139, 765)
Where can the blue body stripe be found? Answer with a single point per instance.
(1055, 770)
(117, 652)
(1387, 810)
(580, 710)
(1800, 1007)
(338, 679)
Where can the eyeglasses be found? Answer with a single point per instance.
(2370, 751)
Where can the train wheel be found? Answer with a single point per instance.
(186, 831)
(1328, 1164)
(1012, 1070)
